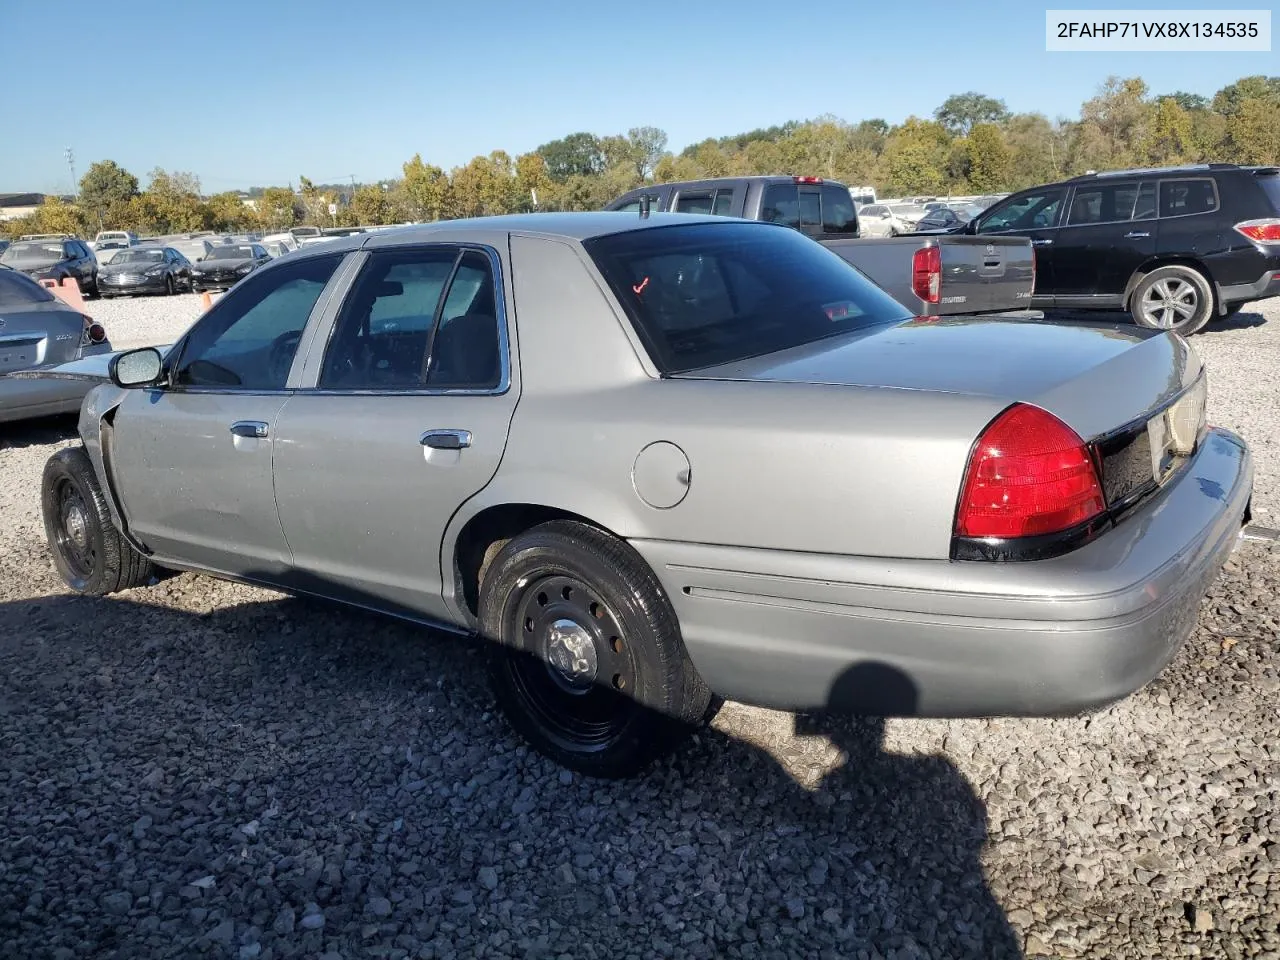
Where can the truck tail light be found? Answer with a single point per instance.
(1029, 475)
(807, 179)
(1260, 231)
(926, 273)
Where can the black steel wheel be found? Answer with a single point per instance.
(88, 551)
(587, 661)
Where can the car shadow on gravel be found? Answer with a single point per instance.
(1246, 319)
(185, 778)
(34, 433)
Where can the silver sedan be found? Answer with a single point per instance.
(651, 462)
(38, 330)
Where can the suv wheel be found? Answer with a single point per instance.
(1173, 298)
(587, 661)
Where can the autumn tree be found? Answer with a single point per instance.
(105, 183)
(278, 208)
(1253, 131)
(915, 157)
(428, 193)
(1168, 138)
(227, 211)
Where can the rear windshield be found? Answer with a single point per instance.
(230, 253)
(707, 294)
(1270, 183)
(19, 290)
(34, 251)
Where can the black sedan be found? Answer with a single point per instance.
(943, 218)
(144, 270)
(227, 264)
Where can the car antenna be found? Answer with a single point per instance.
(644, 206)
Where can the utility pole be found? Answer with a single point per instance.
(71, 165)
(353, 189)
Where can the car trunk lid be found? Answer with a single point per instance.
(1097, 378)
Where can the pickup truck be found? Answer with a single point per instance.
(932, 275)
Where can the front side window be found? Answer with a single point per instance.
(400, 328)
(712, 293)
(1102, 203)
(248, 340)
(1180, 198)
(1031, 211)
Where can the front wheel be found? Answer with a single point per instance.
(1176, 298)
(587, 661)
(88, 551)
(168, 285)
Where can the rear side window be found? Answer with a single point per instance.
(19, 290)
(714, 293)
(1102, 203)
(1181, 198)
(781, 204)
(723, 205)
(1270, 184)
(837, 211)
(1145, 208)
(694, 203)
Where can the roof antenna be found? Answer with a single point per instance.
(644, 206)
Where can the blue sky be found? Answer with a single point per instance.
(261, 92)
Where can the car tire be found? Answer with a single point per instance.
(169, 290)
(626, 692)
(92, 290)
(1176, 297)
(88, 551)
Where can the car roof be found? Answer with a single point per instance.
(556, 226)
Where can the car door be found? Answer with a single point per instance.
(192, 458)
(1033, 214)
(1103, 239)
(408, 418)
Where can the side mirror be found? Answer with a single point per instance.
(136, 368)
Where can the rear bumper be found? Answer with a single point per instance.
(1267, 285)
(959, 639)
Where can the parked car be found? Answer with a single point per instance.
(652, 460)
(145, 269)
(227, 264)
(1174, 246)
(935, 276)
(56, 258)
(38, 330)
(889, 220)
(943, 218)
(194, 249)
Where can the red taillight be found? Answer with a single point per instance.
(1261, 231)
(1029, 475)
(807, 179)
(94, 332)
(926, 274)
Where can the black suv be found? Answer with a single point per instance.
(54, 257)
(1171, 245)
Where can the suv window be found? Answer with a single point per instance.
(724, 202)
(400, 329)
(1031, 211)
(694, 202)
(781, 204)
(1270, 184)
(248, 340)
(713, 293)
(1145, 209)
(838, 215)
(1102, 203)
(1180, 198)
(19, 290)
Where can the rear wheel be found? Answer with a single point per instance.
(1176, 298)
(587, 661)
(168, 285)
(88, 551)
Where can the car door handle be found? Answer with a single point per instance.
(1136, 234)
(249, 428)
(1041, 242)
(446, 439)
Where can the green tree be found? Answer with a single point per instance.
(1168, 138)
(1188, 101)
(1228, 100)
(1112, 126)
(228, 212)
(961, 112)
(105, 183)
(1254, 131)
(532, 177)
(278, 208)
(648, 145)
(427, 190)
(371, 206)
(54, 216)
(989, 158)
(172, 203)
(915, 157)
(1036, 150)
(577, 154)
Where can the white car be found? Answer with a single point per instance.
(884, 220)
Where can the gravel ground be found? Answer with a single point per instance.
(204, 769)
(145, 321)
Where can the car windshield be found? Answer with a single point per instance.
(229, 252)
(19, 290)
(33, 251)
(708, 294)
(138, 256)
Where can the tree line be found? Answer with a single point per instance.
(971, 144)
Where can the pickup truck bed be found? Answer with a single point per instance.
(973, 274)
